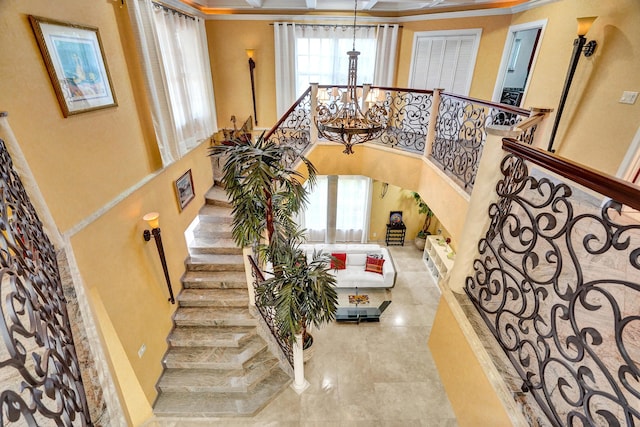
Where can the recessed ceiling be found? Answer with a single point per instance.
(371, 6)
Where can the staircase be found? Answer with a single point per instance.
(216, 365)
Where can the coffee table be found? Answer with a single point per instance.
(361, 304)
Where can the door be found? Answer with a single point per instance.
(518, 59)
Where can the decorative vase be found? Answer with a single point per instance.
(420, 242)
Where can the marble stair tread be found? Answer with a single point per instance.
(217, 196)
(212, 229)
(219, 380)
(208, 316)
(211, 336)
(214, 357)
(217, 214)
(214, 298)
(214, 245)
(212, 262)
(215, 279)
(222, 404)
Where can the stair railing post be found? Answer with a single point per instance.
(300, 384)
(313, 131)
(433, 117)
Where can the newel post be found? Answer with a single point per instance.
(483, 195)
(433, 118)
(313, 131)
(543, 128)
(300, 384)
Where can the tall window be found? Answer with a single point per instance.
(175, 61)
(321, 54)
(314, 218)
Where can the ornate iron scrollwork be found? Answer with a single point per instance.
(295, 130)
(408, 122)
(38, 363)
(558, 284)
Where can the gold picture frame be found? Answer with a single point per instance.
(76, 64)
(184, 190)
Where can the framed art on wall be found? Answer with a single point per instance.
(76, 64)
(184, 189)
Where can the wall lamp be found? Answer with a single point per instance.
(153, 219)
(252, 65)
(580, 45)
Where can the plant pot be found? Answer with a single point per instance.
(307, 348)
(420, 242)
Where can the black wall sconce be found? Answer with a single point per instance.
(153, 219)
(580, 45)
(252, 65)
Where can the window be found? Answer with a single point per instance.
(175, 61)
(444, 59)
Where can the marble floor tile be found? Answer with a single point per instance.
(374, 374)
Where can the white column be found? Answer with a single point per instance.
(299, 383)
(483, 195)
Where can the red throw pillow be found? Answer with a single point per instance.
(339, 261)
(374, 265)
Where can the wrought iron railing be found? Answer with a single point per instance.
(460, 133)
(41, 381)
(557, 282)
(269, 313)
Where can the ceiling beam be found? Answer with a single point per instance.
(254, 3)
(311, 4)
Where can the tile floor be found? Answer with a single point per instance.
(367, 374)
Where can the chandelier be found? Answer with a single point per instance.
(343, 120)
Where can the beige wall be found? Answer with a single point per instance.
(395, 199)
(83, 164)
(595, 129)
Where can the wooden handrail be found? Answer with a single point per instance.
(287, 113)
(504, 107)
(607, 185)
(529, 121)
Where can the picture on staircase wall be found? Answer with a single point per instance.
(184, 189)
(76, 64)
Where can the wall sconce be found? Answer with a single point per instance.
(153, 219)
(580, 45)
(252, 66)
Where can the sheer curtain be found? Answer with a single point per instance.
(314, 217)
(175, 61)
(285, 51)
(353, 209)
(386, 48)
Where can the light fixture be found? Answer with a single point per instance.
(153, 219)
(252, 65)
(580, 45)
(343, 120)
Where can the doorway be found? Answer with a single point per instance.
(518, 59)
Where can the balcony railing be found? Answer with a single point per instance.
(448, 129)
(557, 283)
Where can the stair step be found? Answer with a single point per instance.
(207, 316)
(211, 336)
(214, 357)
(180, 404)
(214, 280)
(211, 230)
(214, 245)
(219, 380)
(212, 262)
(217, 196)
(214, 298)
(215, 214)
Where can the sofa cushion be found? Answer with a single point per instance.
(374, 264)
(356, 259)
(339, 260)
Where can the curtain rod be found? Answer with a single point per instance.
(168, 8)
(334, 25)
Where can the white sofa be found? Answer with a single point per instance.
(354, 275)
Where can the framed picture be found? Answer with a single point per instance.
(76, 64)
(184, 189)
(395, 218)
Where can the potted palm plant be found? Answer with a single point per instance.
(423, 208)
(266, 194)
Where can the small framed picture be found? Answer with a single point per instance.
(395, 218)
(184, 189)
(76, 64)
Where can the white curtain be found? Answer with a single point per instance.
(175, 61)
(314, 218)
(386, 48)
(353, 208)
(285, 51)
